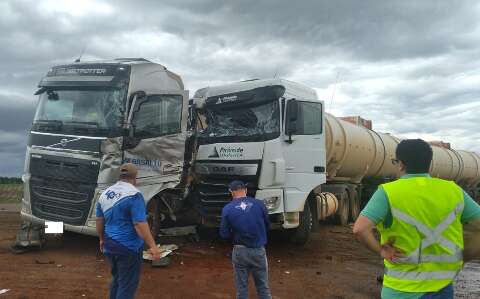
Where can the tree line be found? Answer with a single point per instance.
(10, 180)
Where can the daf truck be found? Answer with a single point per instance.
(304, 163)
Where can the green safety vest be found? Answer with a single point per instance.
(426, 225)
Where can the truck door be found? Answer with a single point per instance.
(304, 150)
(159, 133)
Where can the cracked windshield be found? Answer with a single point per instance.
(65, 110)
(252, 121)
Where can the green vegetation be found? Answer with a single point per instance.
(10, 180)
(11, 190)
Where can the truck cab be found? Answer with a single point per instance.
(270, 134)
(91, 117)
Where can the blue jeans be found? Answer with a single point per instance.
(126, 271)
(445, 293)
(250, 260)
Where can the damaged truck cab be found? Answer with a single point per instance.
(270, 134)
(91, 118)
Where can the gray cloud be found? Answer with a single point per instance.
(412, 67)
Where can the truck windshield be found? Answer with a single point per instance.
(242, 123)
(73, 111)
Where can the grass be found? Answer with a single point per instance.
(11, 193)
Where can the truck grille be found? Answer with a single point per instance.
(211, 192)
(62, 189)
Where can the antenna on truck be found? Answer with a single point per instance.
(81, 54)
(334, 88)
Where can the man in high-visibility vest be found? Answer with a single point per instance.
(421, 221)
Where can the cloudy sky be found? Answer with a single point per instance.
(412, 67)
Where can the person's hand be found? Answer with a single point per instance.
(390, 252)
(155, 253)
(101, 245)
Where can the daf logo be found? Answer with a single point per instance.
(63, 142)
(223, 169)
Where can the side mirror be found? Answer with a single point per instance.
(291, 119)
(192, 117)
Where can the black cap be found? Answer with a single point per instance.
(236, 185)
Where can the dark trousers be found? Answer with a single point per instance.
(250, 260)
(125, 274)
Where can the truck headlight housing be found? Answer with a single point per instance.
(271, 203)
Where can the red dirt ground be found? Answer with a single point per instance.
(331, 265)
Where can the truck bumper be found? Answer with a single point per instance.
(87, 230)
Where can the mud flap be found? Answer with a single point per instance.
(29, 236)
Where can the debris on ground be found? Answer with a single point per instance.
(162, 262)
(164, 251)
(3, 291)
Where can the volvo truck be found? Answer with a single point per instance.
(91, 117)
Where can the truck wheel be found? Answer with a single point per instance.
(154, 217)
(343, 213)
(354, 208)
(301, 234)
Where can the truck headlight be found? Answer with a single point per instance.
(271, 203)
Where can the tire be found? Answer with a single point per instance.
(343, 214)
(301, 234)
(153, 218)
(354, 208)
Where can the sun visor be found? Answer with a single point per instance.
(253, 96)
(94, 75)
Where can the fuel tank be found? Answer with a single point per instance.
(355, 152)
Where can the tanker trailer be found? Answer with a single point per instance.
(359, 159)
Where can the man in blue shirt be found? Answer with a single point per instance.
(245, 221)
(122, 229)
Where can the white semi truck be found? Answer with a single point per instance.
(91, 117)
(304, 163)
(274, 134)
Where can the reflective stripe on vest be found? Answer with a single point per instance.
(421, 275)
(432, 237)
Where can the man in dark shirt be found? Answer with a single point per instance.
(245, 221)
(122, 229)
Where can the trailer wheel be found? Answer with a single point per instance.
(343, 212)
(354, 207)
(301, 234)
